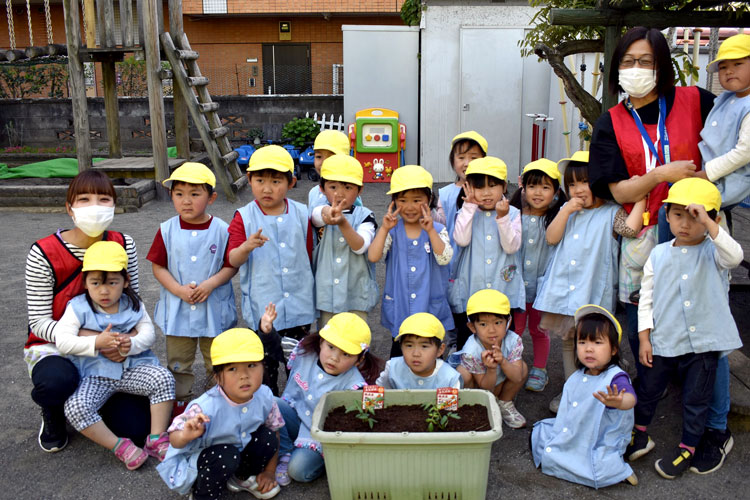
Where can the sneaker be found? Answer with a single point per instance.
(178, 408)
(674, 463)
(537, 380)
(710, 453)
(511, 416)
(128, 453)
(53, 436)
(554, 405)
(251, 486)
(282, 470)
(632, 479)
(640, 444)
(157, 448)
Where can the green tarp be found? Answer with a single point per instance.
(59, 167)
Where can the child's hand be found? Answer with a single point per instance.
(699, 212)
(645, 351)
(195, 427)
(426, 220)
(488, 359)
(125, 343)
(107, 339)
(469, 194)
(334, 215)
(574, 205)
(390, 219)
(497, 355)
(612, 398)
(266, 480)
(256, 240)
(502, 207)
(201, 292)
(269, 316)
(185, 293)
(701, 174)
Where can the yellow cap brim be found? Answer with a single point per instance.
(594, 309)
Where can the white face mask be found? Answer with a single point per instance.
(93, 219)
(637, 82)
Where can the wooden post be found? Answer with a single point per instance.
(106, 11)
(111, 109)
(155, 96)
(77, 85)
(181, 127)
(90, 23)
(126, 22)
(611, 35)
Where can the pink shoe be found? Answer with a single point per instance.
(132, 456)
(159, 447)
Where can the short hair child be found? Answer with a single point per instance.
(685, 325)
(421, 337)
(196, 299)
(270, 241)
(229, 436)
(585, 426)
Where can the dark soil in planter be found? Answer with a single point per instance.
(406, 418)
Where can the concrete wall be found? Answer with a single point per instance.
(49, 122)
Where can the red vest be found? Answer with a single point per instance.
(66, 268)
(684, 124)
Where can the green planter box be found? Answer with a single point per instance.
(405, 466)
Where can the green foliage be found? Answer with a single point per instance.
(411, 12)
(684, 70)
(544, 32)
(42, 80)
(435, 419)
(132, 77)
(253, 133)
(366, 414)
(300, 131)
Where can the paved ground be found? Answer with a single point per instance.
(85, 471)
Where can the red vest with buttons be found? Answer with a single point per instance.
(66, 269)
(684, 124)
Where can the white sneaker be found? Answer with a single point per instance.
(251, 486)
(511, 416)
(554, 405)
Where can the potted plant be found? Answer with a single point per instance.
(407, 465)
(300, 131)
(254, 135)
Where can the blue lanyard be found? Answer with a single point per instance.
(663, 137)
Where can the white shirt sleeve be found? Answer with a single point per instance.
(367, 231)
(462, 228)
(735, 158)
(317, 216)
(145, 338)
(67, 339)
(444, 258)
(646, 301)
(384, 379)
(729, 252)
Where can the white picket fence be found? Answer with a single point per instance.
(329, 124)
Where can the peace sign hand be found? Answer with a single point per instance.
(390, 219)
(426, 220)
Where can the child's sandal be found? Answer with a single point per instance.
(157, 448)
(282, 470)
(132, 456)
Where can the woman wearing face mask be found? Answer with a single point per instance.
(642, 145)
(53, 277)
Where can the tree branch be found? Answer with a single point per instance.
(580, 46)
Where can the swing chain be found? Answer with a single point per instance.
(11, 29)
(48, 22)
(28, 16)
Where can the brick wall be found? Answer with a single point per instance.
(299, 6)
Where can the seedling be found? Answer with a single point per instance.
(366, 413)
(435, 419)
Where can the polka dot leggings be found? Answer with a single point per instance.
(217, 463)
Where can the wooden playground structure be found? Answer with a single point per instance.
(143, 34)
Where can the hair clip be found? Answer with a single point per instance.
(365, 347)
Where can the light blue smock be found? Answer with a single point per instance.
(193, 256)
(583, 267)
(535, 253)
(720, 135)
(448, 196)
(484, 264)
(344, 280)
(414, 282)
(585, 443)
(279, 271)
(473, 349)
(307, 383)
(691, 301)
(122, 322)
(230, 424)
(400, 376)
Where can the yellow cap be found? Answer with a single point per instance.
(695, 190)
(237, 345)
(594, 309)
(549, 167)
(410, 177)
(423, 325)
(348, 332)
(193, 173)
(472, 136)
(107, 256)
(332, 140)
(488, 301)
(734, 47)
(273, 157)
(342, 168)
(489, 165)
(580, 156)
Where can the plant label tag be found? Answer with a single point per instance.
(447, 398)
(373, 396)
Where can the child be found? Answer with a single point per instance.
(586, 441)
(270, 241)
(491, 357)
(327, 143)
(583, 268)
(421, 338)
(196, 301)
(322, 362)
(344, 278)
(684, 320)
(488, 233)
(725, 147)
(417, 252)
(110, 306)
(229, 436)
(539, 199)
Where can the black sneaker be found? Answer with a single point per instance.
(674, 463)
(53, 436)
(709, 456)
(640, 444)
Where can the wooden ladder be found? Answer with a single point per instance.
(203, 111)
